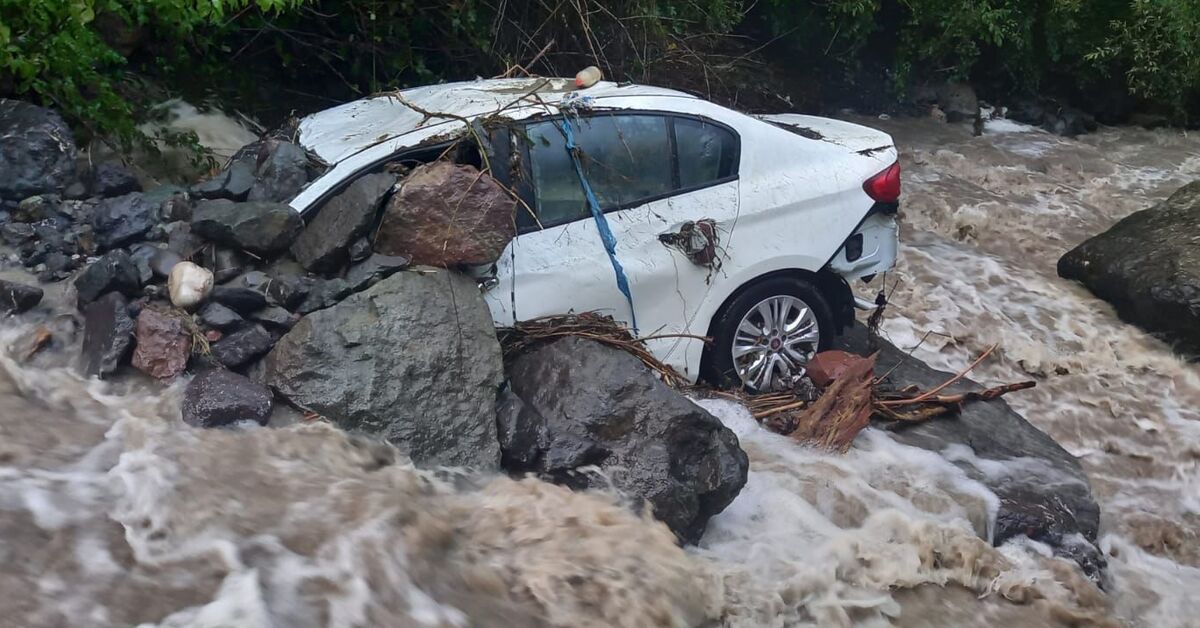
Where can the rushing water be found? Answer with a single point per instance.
(113, 513)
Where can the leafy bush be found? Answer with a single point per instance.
(60, 51)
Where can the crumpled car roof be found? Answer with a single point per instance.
(338, 133)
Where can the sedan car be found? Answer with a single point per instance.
(682, 219)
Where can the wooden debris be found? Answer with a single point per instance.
(842, 411)
(598, 327)
(41, 337)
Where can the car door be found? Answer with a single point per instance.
(651, 173)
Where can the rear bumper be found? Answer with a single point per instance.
(873, 246)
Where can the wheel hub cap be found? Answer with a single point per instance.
(774, 341)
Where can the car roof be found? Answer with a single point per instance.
(338, 133)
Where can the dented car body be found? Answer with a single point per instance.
(746, 230)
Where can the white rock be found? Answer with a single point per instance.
(189, 284)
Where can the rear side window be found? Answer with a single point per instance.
(628, 159)
(706, 152)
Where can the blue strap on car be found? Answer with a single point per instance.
(606, 234)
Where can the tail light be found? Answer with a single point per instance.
(885, 186)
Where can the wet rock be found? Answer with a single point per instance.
(181, 240)
(122, 219)
(163, 261)
(239, 299)
(163, 344)
(107, 335)
(218, 397)
(580, 403)
(220, 317)
(414, 359)
(16, 233)
(16, 298)
(446, 215)
(232, 184)
(37, 150)
(288, 290)
(189, 284)
(261, 228)
(224, 263)
(142, 255)
(360, 250)
(242, 346)
(174, 207)
(57, 267)
(281, 174)
(114, 272)
(1148, 266)
(34, 208)
(322, 247)
(76, 191)
(324, 293)
(109, 179)
(1053, 117)
(1048, 497)
(275, 317)
(377, 266)
(958, 100)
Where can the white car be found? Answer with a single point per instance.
(744, 229)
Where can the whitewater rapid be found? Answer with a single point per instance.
(114, 513)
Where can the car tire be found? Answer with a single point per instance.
(791, 292)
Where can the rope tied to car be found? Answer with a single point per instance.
(606, 234)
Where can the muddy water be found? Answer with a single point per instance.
(113, 513)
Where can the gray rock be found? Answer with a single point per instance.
(218, 316)
(16, 298)
(576, 403)
(232, 184)
(107, 335)
(114, 272)
(37, 150)
(163, 261)
(281, 174)
(239, 299)
(322, 247)
(16, 233)
(274, 317)
(1148, 267)
(218, 397)
(123, 219)
(242, 346)
(109, 179)
(76, 191)
(261, 228)
(143, 255)
(324, 293)
(1048, 500)
(378, 266)
(224, 263)
(415, 359)
(360, 250)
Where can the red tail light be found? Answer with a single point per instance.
(885, 186)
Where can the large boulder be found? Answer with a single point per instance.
(1047, 497)
(218, 397)
(447, 214)
(324, 244)
(109, 179)
(37, 151)
(261, 228)
(414, 359)
(576, 403)
(282, 172)
(123, 219)
(107, 335)
(232, 184)
(1148, 267)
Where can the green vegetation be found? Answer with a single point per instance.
(94, 59)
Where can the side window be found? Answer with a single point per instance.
(625, 158)
(706, 152)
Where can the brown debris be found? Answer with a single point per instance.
(843, 410)
(41, 337)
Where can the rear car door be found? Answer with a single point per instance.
(652, 173)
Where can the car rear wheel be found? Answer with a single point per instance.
(766, 335)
